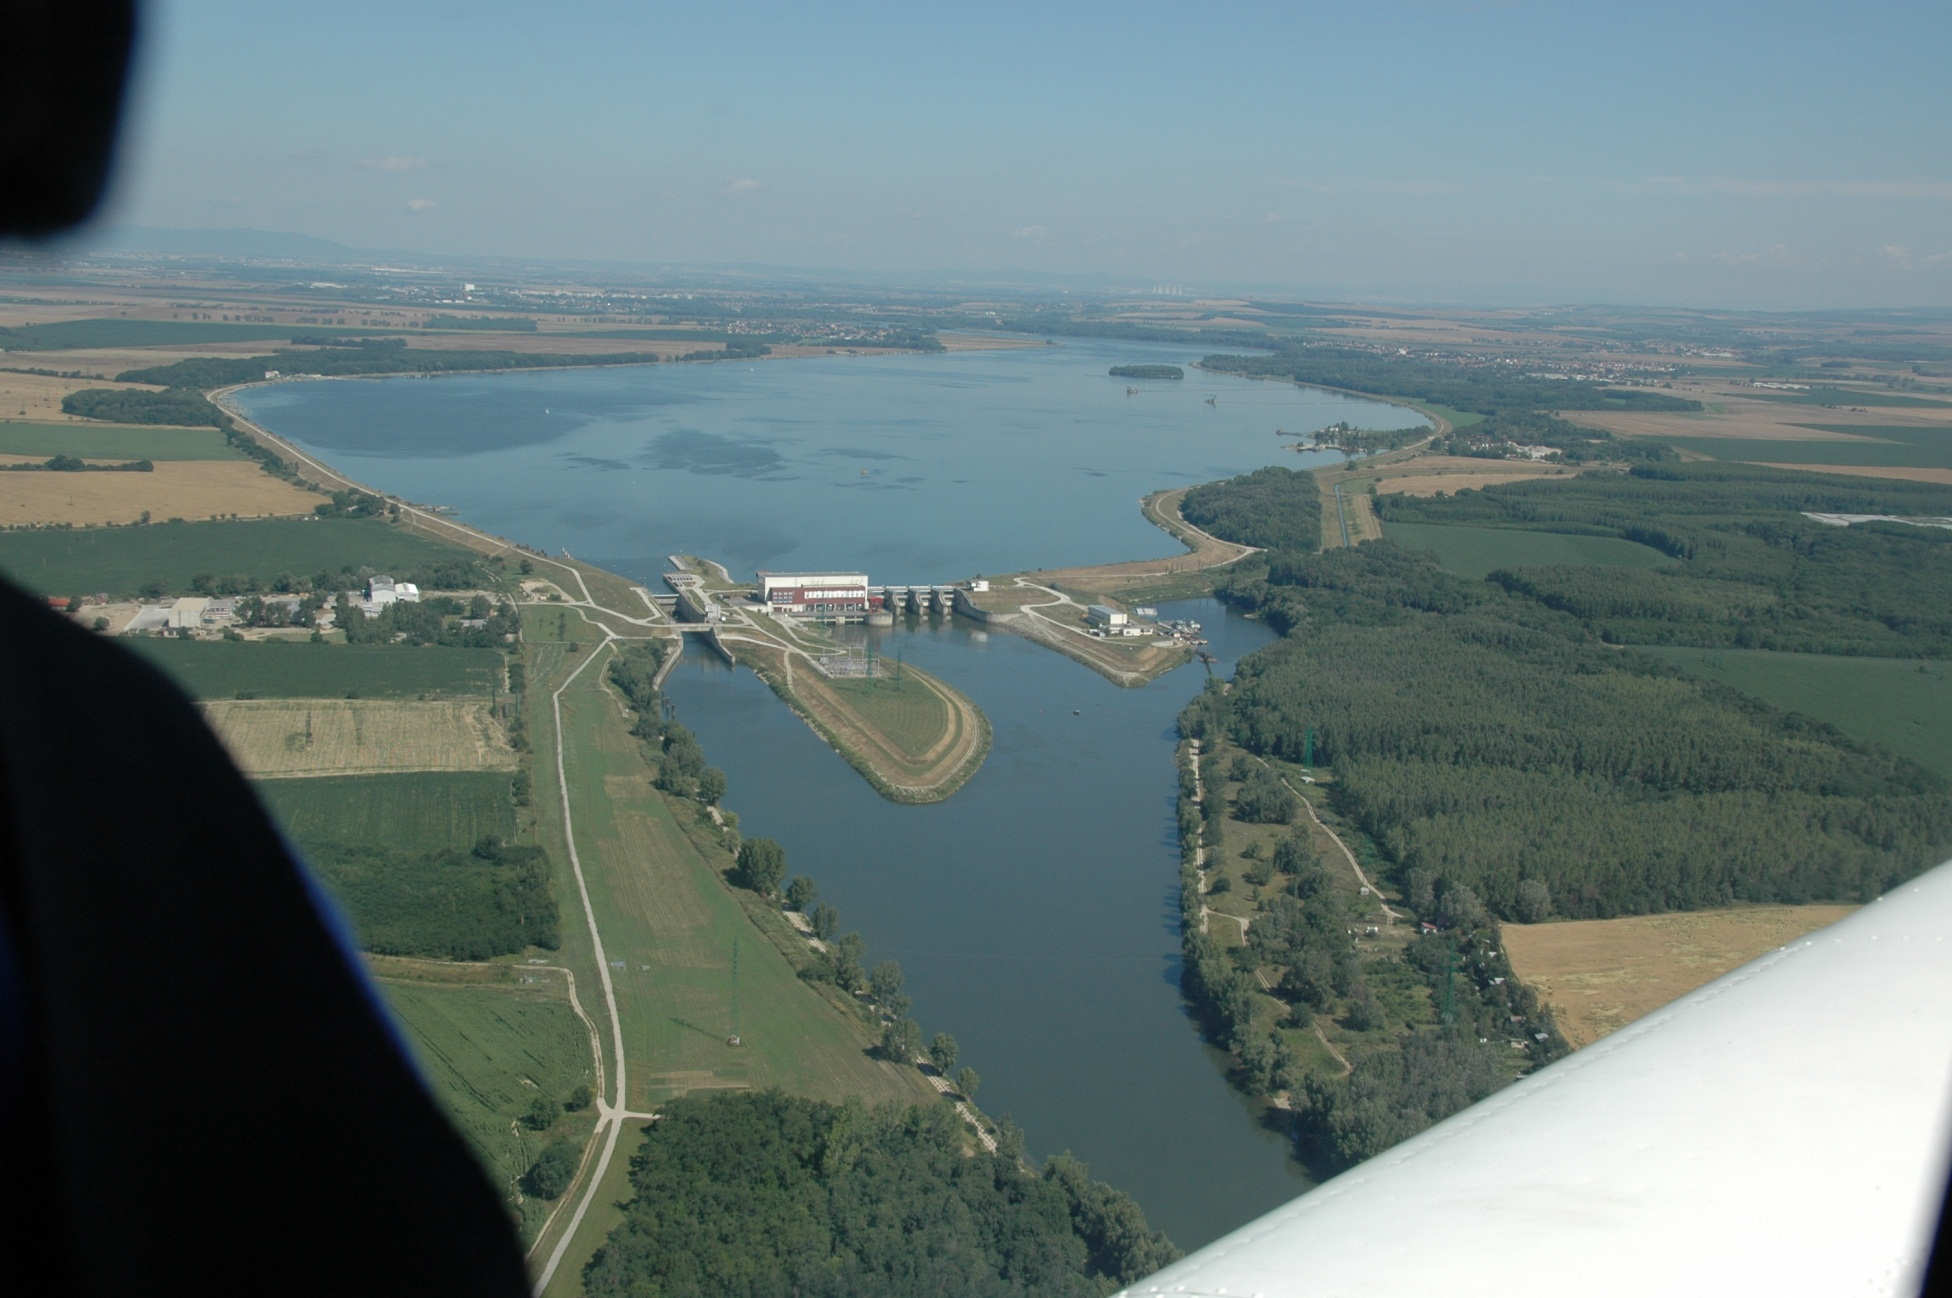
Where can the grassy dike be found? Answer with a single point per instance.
(670, 925)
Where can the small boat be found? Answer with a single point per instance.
(1211, 402)
(1075, 712)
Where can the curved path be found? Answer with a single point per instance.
(610, 1117)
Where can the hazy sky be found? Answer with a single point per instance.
(1778, 154)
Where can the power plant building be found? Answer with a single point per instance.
(825, 596)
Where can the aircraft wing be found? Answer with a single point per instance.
(1782, 1130)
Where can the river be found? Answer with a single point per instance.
(1034, 913)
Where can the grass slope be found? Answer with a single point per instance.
(1474, 551)
(287, 669)
(120, 560)
(114, 441)
(909, 713)
(1901, 703)
(422, 812)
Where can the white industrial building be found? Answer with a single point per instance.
(825, 596)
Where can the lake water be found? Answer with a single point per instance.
(1034, 913)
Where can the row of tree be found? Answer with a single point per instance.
(1453, 383)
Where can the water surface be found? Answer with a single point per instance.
(1034, 913)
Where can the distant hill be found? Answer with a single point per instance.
(272, 245)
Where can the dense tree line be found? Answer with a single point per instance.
(1147, 372)
(1493, 438)
(1274, 508)
(177, 405)
(216, 372)
(434, 620)
(491, 900)
(1392, 1095)
(1481, 388)
(759, 1194)
(74, 464)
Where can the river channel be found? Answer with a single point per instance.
(1034, 912)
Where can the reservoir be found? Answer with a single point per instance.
(1034, 913)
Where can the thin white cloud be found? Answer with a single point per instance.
(395, 162)
(743, 185)
(1739, 187)
(1031, 233)
(1776, 254)
(421, 205)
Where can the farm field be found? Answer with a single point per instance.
(1427, 475)
(92, 441)
(121, 560)
(1475, 551)
(422, 812)
(1902, 703)
(174, 489)
(269, 738)
(1601, 974)
(35, 397)
(1896, 446)
(281, 669)
(670, 925)
(62, 335)
(487, 1050)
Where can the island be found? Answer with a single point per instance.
(1147, 372)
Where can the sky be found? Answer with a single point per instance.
(1780, 155)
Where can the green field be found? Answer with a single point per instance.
(1901, 703)
(487, 1051)
(670, 925)
(1474, 551)
(114, 441)
(1459, 419)
(64, 334)
(121, 560)
(1897, 447)
(905, 710)
(299, 669)
(1844, 397)
(422, 812)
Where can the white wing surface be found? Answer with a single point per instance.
(1782, 1130)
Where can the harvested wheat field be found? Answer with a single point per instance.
(1601, 974)
(189, 489)
(297, 737)
(1428, 475)
(38, 396)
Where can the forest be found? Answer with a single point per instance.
(129, 406)
(1751, 571)
(1147, 372)
(1274, 508)
(491, 900)
(1462, 387)
(1486, 753)
(752, 1194)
